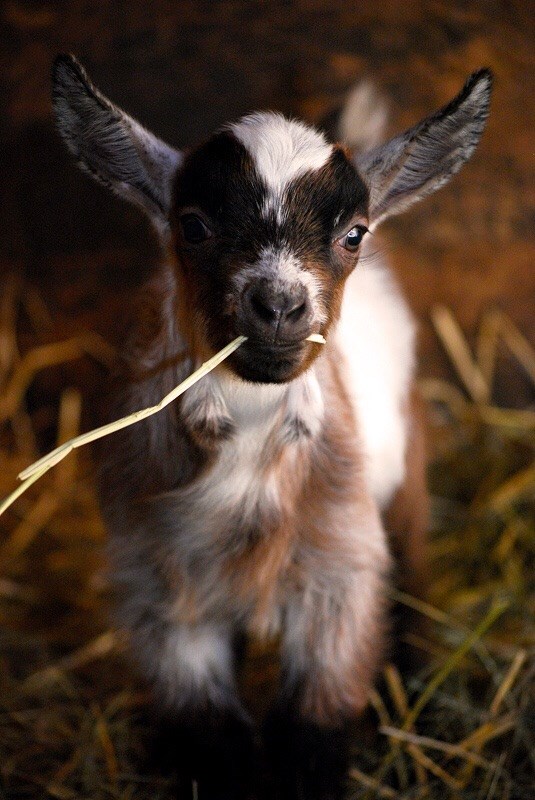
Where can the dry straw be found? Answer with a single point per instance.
(40, 467)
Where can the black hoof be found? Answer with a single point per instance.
(209, 754)
(309, 762)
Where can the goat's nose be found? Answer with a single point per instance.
(276, 313)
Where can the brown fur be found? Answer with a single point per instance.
(338, 571)
(406, 518)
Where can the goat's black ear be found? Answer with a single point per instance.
(424, 158)
(109, 144)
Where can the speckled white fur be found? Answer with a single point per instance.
(195, 662)
(285, 272)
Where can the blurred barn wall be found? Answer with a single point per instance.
(183, 68)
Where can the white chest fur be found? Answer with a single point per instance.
(236, 480)
(376, 336)
(245, 477)
(242, 487)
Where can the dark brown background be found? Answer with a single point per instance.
(183, 68)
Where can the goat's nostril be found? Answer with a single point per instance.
(296, 313)
(264, 310)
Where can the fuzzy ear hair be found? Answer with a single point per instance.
(425, 157)
(110, 145)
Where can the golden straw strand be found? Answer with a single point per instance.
(36, 470)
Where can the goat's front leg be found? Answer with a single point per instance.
(200, 732)
(332, 647)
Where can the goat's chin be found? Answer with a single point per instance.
(267, 365)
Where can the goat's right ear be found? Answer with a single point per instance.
(110, 145)
(425, 157)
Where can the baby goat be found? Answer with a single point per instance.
(268, 499)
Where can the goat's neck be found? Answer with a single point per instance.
(225, 403)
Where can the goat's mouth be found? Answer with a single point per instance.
(263, 362)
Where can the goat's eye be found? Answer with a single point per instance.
(194, 230)
(353, 238)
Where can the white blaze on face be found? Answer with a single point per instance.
(281, 150)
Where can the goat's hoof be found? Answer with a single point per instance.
(310, 762)
(209, 754)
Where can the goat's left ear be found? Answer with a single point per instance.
(425, 157)
(111, 146)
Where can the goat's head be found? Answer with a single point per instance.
(265, 219)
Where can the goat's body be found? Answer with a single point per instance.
(262, 500)
(276, 515)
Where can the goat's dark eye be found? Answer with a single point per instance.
(353, 238)
(194, 230)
